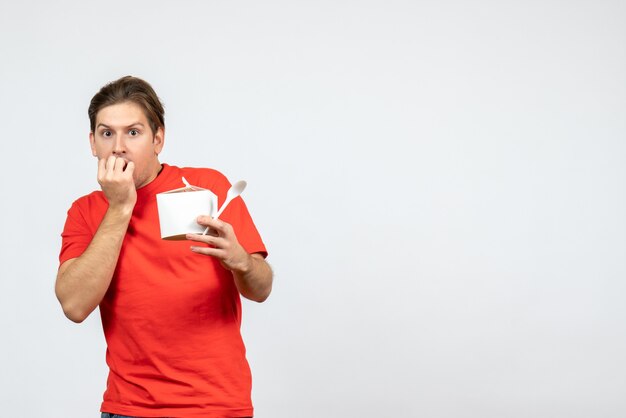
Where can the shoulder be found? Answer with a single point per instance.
(86, 212)
(203, 172)
(90, 201)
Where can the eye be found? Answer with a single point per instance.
(133, 132)
(107, 134)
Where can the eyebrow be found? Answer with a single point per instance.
(129, 126)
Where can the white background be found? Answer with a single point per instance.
(440, 184)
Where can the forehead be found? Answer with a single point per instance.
(121, 114)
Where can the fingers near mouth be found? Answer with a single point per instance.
(125, 164)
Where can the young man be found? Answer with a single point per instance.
(170, 310)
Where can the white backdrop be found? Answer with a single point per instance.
(441, 186)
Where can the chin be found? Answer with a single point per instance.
(138, 182)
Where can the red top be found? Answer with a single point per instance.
(171, 317)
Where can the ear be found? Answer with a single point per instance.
(159, 140)
(92, 142)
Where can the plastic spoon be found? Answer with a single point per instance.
(234, 191)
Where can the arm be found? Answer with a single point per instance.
(253, 276)
(82, 282)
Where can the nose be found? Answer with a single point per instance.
(119, 148)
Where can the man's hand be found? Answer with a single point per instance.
(223, 245)
(253, 276)
(116, 180)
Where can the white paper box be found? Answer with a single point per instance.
(179, 209)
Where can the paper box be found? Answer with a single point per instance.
(179, 209)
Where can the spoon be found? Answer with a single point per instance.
(234, 191)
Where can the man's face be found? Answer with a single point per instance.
(122, 130)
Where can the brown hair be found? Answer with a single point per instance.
(129, 89)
